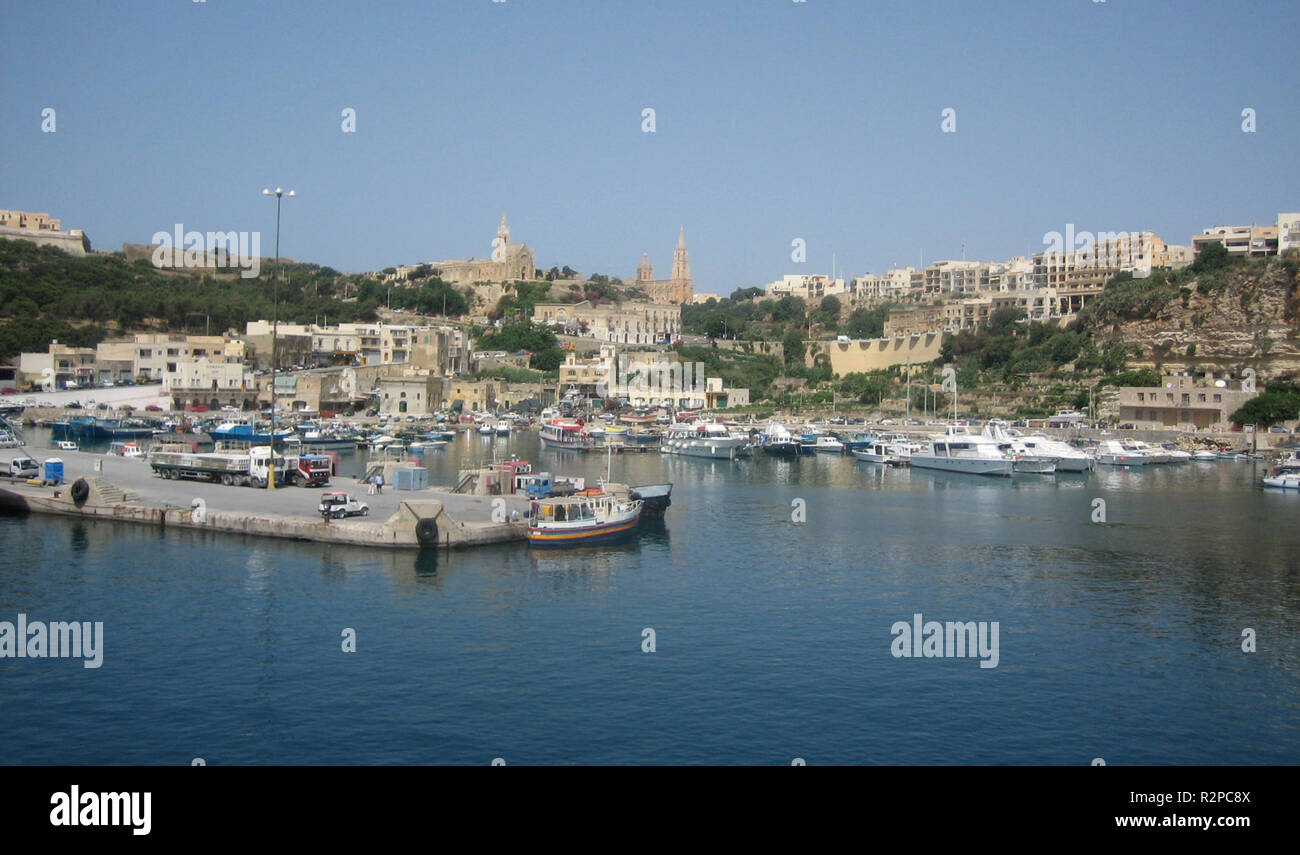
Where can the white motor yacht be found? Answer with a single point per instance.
(704, 439)
(1113, 452)
(883, 452)
(964, 452)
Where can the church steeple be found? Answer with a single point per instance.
(681, 258)
(503, 232)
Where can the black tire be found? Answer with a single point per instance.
(365, 512)
(340, 514)
(426, 532)
(258, 482)
(80, 491)
(227, 480)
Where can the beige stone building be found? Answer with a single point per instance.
(678, 288)
(922, 319)
(1182, 401)
(158, 355)
(811, 287)
(632, 322)
(416, 395)
(507, 261)
(43, 230)
(1251, 241)
(492, 395)
(212, 384)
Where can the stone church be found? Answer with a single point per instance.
(678, 289)
(508, 261)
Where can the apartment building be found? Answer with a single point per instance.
(810, 287)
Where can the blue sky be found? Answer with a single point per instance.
(775, 120)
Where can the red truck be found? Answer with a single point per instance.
(313, 470)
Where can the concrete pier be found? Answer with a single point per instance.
(127, 490)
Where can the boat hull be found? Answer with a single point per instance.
(655, 498)
(716, 450)
(966, 465)
(881, 459)
(588, 535)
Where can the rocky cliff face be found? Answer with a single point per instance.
(1242, 316)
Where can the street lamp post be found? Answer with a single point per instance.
(275, 329)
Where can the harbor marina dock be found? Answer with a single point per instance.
(127, 490)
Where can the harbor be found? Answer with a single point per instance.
(128, 491)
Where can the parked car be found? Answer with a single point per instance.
(154, 408)
(8, 390)
(23, 467)
(1279, 429)
(340, 505)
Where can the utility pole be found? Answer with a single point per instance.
(909, 386)
(275, 331)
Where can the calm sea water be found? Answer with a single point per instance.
(1120, 641)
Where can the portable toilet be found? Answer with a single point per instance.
(410, 478)
(54, 470)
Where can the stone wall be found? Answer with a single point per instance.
(875, 354)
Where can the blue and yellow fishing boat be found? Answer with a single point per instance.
(586, 519)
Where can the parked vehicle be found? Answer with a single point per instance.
(24, 467)
(340, 505)
(250, 468)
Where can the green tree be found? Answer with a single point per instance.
(792, 344)
(1268, 409)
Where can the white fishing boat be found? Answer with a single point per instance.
(778, 441)
(560, 433)
(503, 428)
(964, 452)
(486, 429)
(129, 450)
(828, 444)
(1205, 456)
(65, 445)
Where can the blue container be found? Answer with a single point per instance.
(410, 478)
(54, 470)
